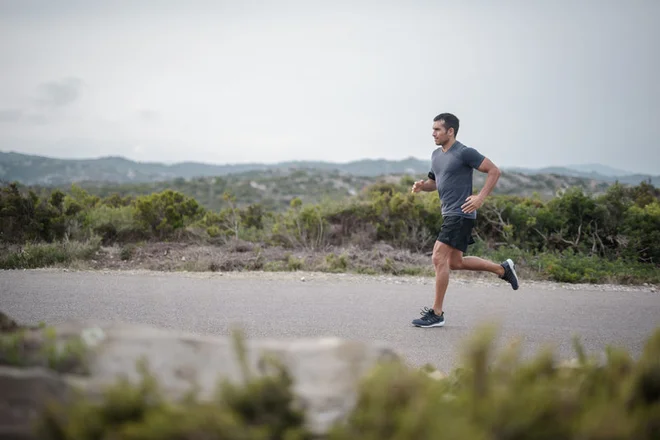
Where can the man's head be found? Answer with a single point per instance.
(445, 128)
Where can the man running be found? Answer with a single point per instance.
(451, 172)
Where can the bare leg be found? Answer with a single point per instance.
(458, 262)
(441, 253)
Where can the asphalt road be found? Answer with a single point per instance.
(283, 306)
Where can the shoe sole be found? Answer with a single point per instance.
(438, 324)
(515, 275)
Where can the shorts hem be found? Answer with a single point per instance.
(452, 245)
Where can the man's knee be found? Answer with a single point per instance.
(440, 254)
(438, 260)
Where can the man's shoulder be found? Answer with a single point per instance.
(457, 150)
(470, 155)
(460, 147)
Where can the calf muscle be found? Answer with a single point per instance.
(458, 262)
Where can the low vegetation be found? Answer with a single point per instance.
(573, 237)
(491, 395)
(273, 189)
(39, 346)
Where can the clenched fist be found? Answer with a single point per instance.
(417, 186)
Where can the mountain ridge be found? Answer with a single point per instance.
(42, 170)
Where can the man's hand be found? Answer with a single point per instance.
(472, 203)
(417, 186)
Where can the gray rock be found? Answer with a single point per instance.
(25, 392)
(325, 371)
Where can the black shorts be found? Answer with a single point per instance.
(456, 231)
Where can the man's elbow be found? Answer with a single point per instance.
(490, 168)
(493, 170)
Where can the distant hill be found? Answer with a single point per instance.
(592, 171)
(38, 170)
(44, 171)
(603, 170)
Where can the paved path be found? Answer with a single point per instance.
(282, 306)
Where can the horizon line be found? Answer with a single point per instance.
(364, 159)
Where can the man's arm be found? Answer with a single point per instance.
(429, 185)
(425, 185)
(474, 202)
(494, 174)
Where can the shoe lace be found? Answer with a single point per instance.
(426, 312)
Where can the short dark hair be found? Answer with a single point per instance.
(449, 120)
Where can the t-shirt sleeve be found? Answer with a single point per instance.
(472, 157)
(431, 175)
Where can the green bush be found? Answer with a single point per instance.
(505, 397)
(490, 395)
(641, 229)
(336, 263)
(115, 224)
(572, 237)
(164, 213)
(25, 217)
(262, 408)
(293, 263)
(577, 268)
(36, 255)
(301, 227)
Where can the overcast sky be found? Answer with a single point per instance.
(534, 82)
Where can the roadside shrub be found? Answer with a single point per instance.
(163, 213)
(492, 394)
(26, 217)
(293, 263)
(127, 252)
(501, 396)
(261, 408)
(32, 256)
(571, 267)
(336, 263)
(572, 237)
(302, 227)
(115, 224)
(641, 227)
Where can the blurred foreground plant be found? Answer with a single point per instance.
(490, 395)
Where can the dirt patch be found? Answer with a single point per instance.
(243, 256)
(380, 259)
(249, 258)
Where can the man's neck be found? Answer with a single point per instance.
(448, 145)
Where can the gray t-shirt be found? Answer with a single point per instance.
(452, 172)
